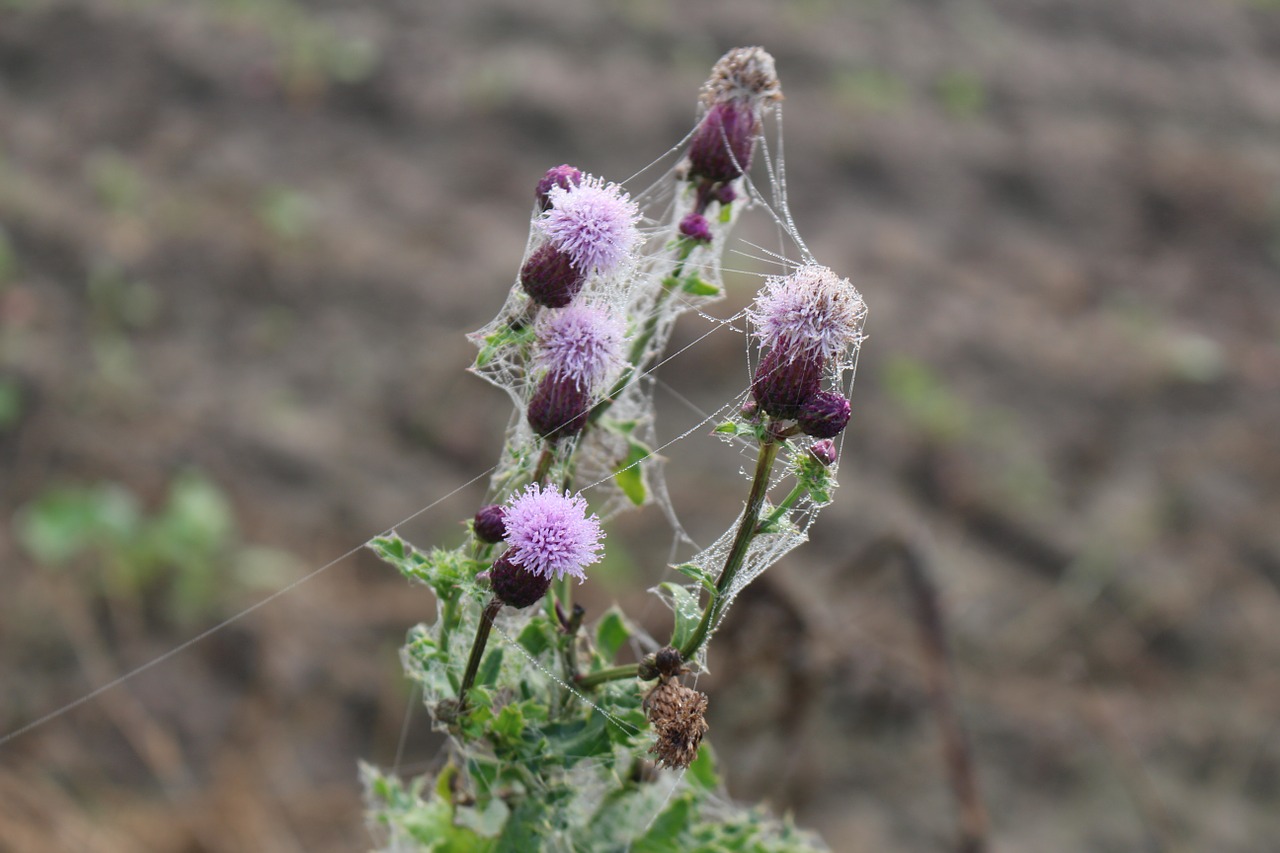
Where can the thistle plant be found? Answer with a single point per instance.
(577, 731)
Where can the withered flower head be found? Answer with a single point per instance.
(678, 716)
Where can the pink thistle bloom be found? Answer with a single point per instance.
(593, 223)
(580, 348)
(580, 344)
(812, 313)
(550, 533)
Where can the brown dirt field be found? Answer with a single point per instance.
(247, 238)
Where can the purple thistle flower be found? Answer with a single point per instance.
(563, 176)
(593, 223)
(581, 344)
(824, 415)
(696, 228)
(580, 347)
(812, 312)
(550, 533)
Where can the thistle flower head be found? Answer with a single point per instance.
(593, 223)
(744, 74)
(550, 533)
(580, 344)
(811, 313)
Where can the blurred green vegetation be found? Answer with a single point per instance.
(186, 555)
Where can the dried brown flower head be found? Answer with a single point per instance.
(743, 74)
(678, 716)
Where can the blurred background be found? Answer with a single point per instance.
(241, 242)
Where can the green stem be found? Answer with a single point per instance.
(747, 528)
(781, 509)
(544, 464)
(738, 551)
(613, 673)
(477, 650)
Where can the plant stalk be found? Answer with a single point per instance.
(738, 551)
(477, 650)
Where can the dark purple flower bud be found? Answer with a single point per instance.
(515, 585)
(563, 176)
(824, 415)
(550, 278)
(696, 228)
(725, 194)
(786, 378)
(824, 451)
(722, 143)
(559, 407)
(489, 524)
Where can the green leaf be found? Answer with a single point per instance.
(630, 474)
(509, 723)
(611, 633)
(666, 832)
(687, 612)
(534, 637)
(526, 827)
(698, 574)
(488, 673)
(696, 286)
(702, 771)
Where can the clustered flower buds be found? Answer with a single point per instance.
(806, 322)
(589, 228)
(678, 717)
(580, 349)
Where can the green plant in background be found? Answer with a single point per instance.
(560, 728)
(186, 555)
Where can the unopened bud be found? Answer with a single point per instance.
(696, 228)
(786, 378)
(550, 278)
(824, 415)
(515, 585)
(824, 451)
(559, 408)
(563, 176)
(489, 524)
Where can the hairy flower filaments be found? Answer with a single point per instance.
(590, 228)
(807, 322)
(580, 349)
(550, 533)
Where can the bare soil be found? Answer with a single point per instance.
(247, 239)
